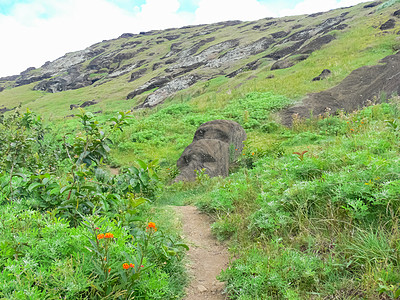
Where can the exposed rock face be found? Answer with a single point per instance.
(389, 24)
(355, 91)
(288, 62)
(168, 89)
(215, 145)
(174, 59)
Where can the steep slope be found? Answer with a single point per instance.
(150, 67)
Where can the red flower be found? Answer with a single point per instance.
(100, 236)
(108, 235)
(131, 265)
(152, 225)
(125, 266)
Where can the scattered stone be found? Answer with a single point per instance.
(340, 27)
(172, 37)
(126, 35)
(4, 109)
(72, 106)
(137, 74)
(2, 88)
(202, 288)
(285, 51)
(168, 89)
(354, 92)
(316, 14)
(270, 76)
(389, 24)
(397, 13)
(373, 4)
(324, 74)
(215, 145)
(288, 62)
(88, 103)
(250, 66)
(279, 34)
(316, 44)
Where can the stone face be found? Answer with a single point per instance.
(223, 130)
(210, 155)
(215, 145)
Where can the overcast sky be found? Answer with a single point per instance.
(35, 31)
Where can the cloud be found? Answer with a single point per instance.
(313, 6)
(209, 11)
(35, 31)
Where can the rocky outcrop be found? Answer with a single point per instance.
(71, 81)
(389, 24)
(289, 62)
(169, 89)
(215, 145)
(355, 91)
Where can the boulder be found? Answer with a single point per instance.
(210, 155)
(225, 131)
(215, 145)
(324, 74)
(389, 24)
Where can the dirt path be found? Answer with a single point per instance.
(207, 256)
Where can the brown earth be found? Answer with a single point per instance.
(364, 86)
(206, 255)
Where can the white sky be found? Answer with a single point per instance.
(41, 30)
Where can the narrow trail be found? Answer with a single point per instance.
(207, 256)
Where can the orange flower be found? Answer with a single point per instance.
(125, 266)
(109, 270)
(131, 265)
(152, 225)
(108, 235)
(252, 153)
(100, 236)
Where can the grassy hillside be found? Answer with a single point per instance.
(308, 212)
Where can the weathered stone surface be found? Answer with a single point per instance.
(168, 89)
(373, 4)
(4, 109)
(355, 91)
(250, 66)
(70, 81)
(88, 103)
(288, 62)
(126, 35)
(316, 44)
(324, 74)
(224, 130)
(215, 145)
(210, 155)
(241, 52)
(389, 24)
(278, 54)
(137, 74)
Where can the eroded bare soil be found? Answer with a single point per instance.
(207, 257)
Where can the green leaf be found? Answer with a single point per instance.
(142, 164)
(34, 185)
(67, 188)
(182, 245)
(397, 293)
